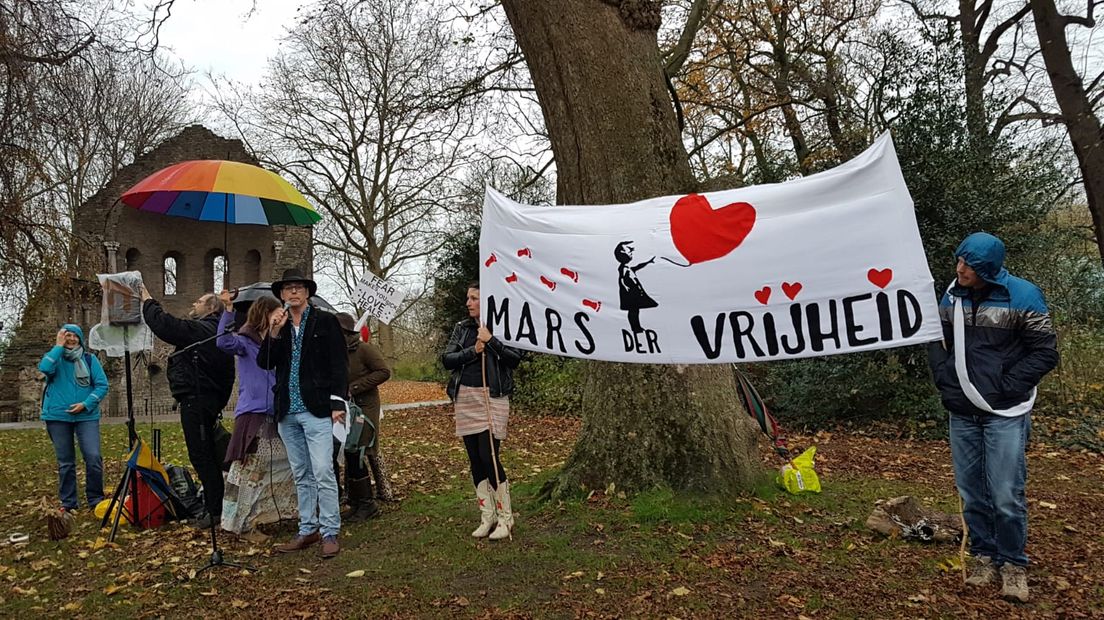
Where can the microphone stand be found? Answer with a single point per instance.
(216, 554)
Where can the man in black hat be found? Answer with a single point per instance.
(306, 348)
(201, 381)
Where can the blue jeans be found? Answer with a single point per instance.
(991, 471)
(309, 443)
(88, 436)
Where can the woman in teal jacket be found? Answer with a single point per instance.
(75, 387)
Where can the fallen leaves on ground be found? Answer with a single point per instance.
(766, 555)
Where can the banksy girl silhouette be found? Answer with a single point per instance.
(633, 296)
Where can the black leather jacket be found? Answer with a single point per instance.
(501, 360)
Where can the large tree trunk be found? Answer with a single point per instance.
(595, 65)
(974, 64)
(1077, 111)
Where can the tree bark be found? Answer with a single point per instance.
(974, 64)
(1081, 121)
(597, 72)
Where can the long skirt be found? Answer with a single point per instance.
(260, 487)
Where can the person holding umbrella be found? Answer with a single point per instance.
(260, 488)
(306, 348)
(201, 381)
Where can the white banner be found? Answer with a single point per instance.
(825, 264)
(378, 297)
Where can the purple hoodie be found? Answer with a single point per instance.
(254, 383)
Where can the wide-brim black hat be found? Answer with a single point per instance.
(293, 275)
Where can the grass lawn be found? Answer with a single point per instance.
(764, 554)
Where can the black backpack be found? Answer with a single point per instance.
(186, 499)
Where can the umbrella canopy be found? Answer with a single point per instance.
(222, 191)
(246, 295)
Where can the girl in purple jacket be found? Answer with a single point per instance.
(259, 487)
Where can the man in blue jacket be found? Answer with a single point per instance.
(999, 343)
(75, 387)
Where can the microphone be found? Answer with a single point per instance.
(287, 306)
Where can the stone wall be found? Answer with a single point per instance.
(110, 236)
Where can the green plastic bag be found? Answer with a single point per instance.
(798, 476)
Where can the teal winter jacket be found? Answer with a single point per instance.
(62, 390)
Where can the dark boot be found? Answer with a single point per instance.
(361, 505)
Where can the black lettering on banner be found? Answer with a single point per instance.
(633, 341)
(885, 320)
(498, 316)
(816, 334)
(525, 325)
(738, 333)
(795, 318)
(905, 299)
(581, 319)
(771, 334)
(552, 324)
(697, 323)
(850, 326)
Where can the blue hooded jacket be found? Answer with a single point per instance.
(62, 390)
(1010, 342)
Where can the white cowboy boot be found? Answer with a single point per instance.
(505, 515)
(486, 509)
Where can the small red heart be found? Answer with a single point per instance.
(763, 295)
(703, 233)
(880, 277)
(791, 290)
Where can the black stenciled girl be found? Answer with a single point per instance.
(633, 296)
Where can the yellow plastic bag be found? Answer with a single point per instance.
(798, 476)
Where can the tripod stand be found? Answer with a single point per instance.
(130, 480)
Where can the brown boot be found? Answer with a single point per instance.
(299, 543)
(330, 548)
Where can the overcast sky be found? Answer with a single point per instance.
(230, 37)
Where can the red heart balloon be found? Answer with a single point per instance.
(880, 277)
(791, 290)
(763, 295)
(703, 233)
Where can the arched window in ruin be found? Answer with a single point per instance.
(132, 258)
(252, 272)
(216, 270)
(172, 269)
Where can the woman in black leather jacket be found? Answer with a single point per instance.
(480, 384)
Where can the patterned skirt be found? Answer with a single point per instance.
(471, 412)
(260, 488)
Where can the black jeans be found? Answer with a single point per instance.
(482, 463)
(198, 418)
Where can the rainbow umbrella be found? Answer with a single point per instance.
(222, 191)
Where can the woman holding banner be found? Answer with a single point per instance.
(259, 487)
(479, 386)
